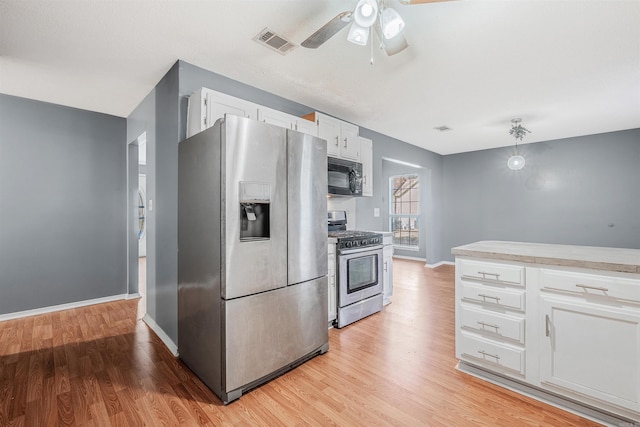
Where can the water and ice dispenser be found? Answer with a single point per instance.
(255, 203)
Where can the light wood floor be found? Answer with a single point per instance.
(99, 365)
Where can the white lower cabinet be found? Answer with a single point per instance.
(591, 349)
(572, 332)
(493, 354)
(387, 269)
(333, 303)
(490, 316)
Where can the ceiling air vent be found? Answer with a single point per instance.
(273, 41)
(443, 128)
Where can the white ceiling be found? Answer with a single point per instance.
(566, 67)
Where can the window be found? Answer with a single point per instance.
(404, 210)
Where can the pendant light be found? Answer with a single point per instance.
(516, 161)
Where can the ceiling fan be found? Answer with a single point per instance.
(368, 15)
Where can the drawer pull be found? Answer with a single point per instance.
(484, 353)
(484, 273)
(489, 296)
(496, 327)
(595, 288)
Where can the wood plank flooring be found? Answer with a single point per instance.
(101, 366)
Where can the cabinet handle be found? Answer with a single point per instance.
(337, 142)
(496, 327)
(484, 353)
(595, 288)
(546, 325)
(484, 273)
(345, 143)
(489, 296)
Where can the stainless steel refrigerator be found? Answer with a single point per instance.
(252, 253)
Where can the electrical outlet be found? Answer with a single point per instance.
(376, 212)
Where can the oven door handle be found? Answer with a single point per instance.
(359, 249)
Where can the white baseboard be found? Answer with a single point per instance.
(438, 264)
(410, 258)
(173, 348)
(134, 295)
(54, 308)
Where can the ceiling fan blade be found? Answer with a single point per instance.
(409, 2)
(328, 30)
(393, 45)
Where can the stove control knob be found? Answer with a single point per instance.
(364, 241)
(347, 244)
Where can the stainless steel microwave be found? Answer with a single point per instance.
(344, 177)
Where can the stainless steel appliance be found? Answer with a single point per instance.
(252, 253)
(359, 270)
(344, 177)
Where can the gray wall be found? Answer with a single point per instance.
(430, 173)
(583, 191)
(158, 116)
(193, 78)
(62, 205)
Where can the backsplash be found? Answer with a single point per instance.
(344, 204)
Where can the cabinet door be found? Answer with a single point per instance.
(275, 117)
(306, 126)
(218, 104)
(349, 141)
(329, 129)
(366, 157)
(592, 350)
(387, 273)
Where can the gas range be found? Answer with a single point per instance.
(350, 239)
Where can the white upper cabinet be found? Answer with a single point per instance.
(275, 117)
(206, 106)
(306, 126)
(289, 121)
(342, 137)
(366, 158)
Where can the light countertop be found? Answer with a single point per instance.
(597, 258)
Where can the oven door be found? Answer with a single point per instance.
(359, 274)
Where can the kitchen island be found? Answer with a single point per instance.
(560, 323)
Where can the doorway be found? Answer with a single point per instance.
(137, 229)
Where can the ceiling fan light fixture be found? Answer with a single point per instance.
(391, 22)
(366, 13)
(358, 35)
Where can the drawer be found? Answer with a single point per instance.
(492, 324)
(492, 355)
(590, 285)
(492, 272)
(493, 296)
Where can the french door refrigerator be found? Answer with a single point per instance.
(252, 253)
